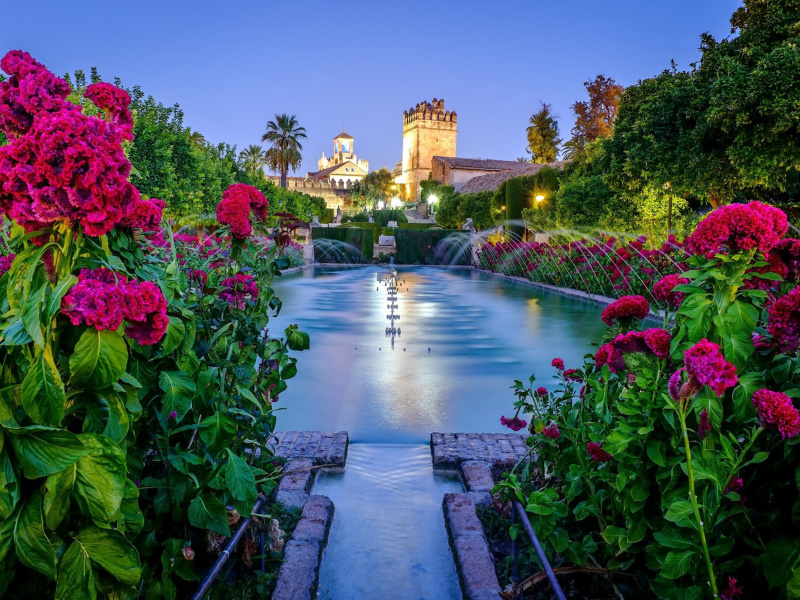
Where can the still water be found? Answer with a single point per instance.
(465, 337)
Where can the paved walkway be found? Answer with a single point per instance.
(322, 448)
(501, 450)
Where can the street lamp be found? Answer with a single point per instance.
(539, 197)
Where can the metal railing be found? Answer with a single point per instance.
(517, 508)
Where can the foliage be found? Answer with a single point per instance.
(284, 135)
(543, 140)
(432, 247)
(595, 118)
(375, 187)
(120, 451)
(667, 461)
(252, 159)
(343, 244)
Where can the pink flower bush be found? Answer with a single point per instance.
(235, 207)
(572, 375)
(662, 290)
(145, 312)
(5, 263)
(144, 214)
(705, 365)
(788, 251)
(115, 102)
(738, 227)
(514, 423)
(783, 321)
(596, 452)
(626, 309)
(558, 364)
(775, 409)
(551, 432)
(238, 289)
(655, 341)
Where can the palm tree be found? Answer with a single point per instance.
(284, 134)
(253, 158)
(197, 138)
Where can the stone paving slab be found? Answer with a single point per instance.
(296, 483)
(323, 448)
(500, 450)
(298, 576)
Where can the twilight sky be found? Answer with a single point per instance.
(233, 64)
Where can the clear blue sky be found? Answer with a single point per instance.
(233, 64)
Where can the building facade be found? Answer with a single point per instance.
(342, 169)
(428, 130)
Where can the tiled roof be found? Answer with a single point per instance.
(483, 164)
(492, 181)
(344, 136)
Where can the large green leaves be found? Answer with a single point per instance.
(176, 331)
(43, 395)
(240, 480)
(33, 547)
(297, 340)
(178, 391)
(75, 577)
(58, 489)
(100, 478)
(217, 430)
(99, 359)
(110, 550)
(208, 512)
(9, 485)
(44, 451)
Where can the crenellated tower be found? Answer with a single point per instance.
(428, 130)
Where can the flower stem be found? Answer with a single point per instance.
(695, 508)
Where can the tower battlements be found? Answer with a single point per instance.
(429, 111)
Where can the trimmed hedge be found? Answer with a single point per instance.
(416, 225)
(419, 247)
(386, 215)
(361, 238)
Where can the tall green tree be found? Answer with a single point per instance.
(284, 135)
(594, 118)
(253, 158)
(543, 140)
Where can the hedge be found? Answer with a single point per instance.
(416, 225)
(359, 237)
(386, 215)
(419, 247)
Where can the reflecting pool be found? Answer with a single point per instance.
(464, 338)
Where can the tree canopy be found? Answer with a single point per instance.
(543, 140)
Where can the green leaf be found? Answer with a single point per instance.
(178, 391)
(44, 451)
(116, 428)
(131, 519)
(679, 511)
(208, 512)
(741, 316)
(100, 478)
(110, 550)
(240, 478)
(176, 331)
(737, 347)
(75, 577)
(32, 315)
(217, 430)
(54, 301)
(657, 453)
(9, 485)
(781, 554)
(297, 340)
(43, 395)
(56, 498)
(677, 563)
(793, 585)
(6, 537)
(99, 359)
(34, 549)
(539, 503)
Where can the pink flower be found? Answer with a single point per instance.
(5, 263)
(733, 590)
(144, 214)
(172, 415)
(626, 309)
(551, 431)
(655, 341)
(234, 208)
(783, 321)
(197, 276)
(775, 409)
(703, 425)
(788, 250)
(597, 453)
(662, 290)
(514, 423)
(238, 289)
(734, 485)
(558, 364)
(146, 312)
(542, 391)
(115, 102)
(95, 302)
(705, 364)
(738, 227)
(572, 375)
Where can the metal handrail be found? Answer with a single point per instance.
(517, 508)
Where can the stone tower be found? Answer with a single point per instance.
(428, 131)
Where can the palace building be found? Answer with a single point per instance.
(343, 168)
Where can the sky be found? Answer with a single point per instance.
(232, 65)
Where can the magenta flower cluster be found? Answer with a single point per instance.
(145, 215)
(738, 227)
(103, 300)
(5, 263)
(551, 431)
(663, 290)
(783, 322)
(655, 341)
(596, 452)
(115, 103)
(775, 410)
(705, 364)
(238, 289)
(235, 207)
(514, 423)
(626, 309)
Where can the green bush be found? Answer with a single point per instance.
(384, 216)
(416, 225)
(417, 247)
(360, 238)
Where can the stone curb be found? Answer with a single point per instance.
(474, 561)
(500, 450)
(296, 483)
(298, 576)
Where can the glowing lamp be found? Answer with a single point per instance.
(432, 199)
(539, 198)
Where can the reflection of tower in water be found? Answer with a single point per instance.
(391, 287)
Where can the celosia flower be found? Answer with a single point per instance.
(197, 276)
(542, 391)
(775, 265)
(115, 102)
(144, 214)
(655, 341)
(597, 453)
(703, 424)
(788, 250)
(558, 364)
(783, 321)
(572, 375)
(238, 289)
(775, 410)
(738, 227)
(734, 485)
(514, 423)
(733, 590)
(551, 431)
(705, 364)
(96, 300)
(5, 263)
(234, 208)
(146, 312)
(662, 290)
(626, 309)
(172, 415)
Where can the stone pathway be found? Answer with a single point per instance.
(322, 448)
(500, 450)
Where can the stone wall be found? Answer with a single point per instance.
(333, 195)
